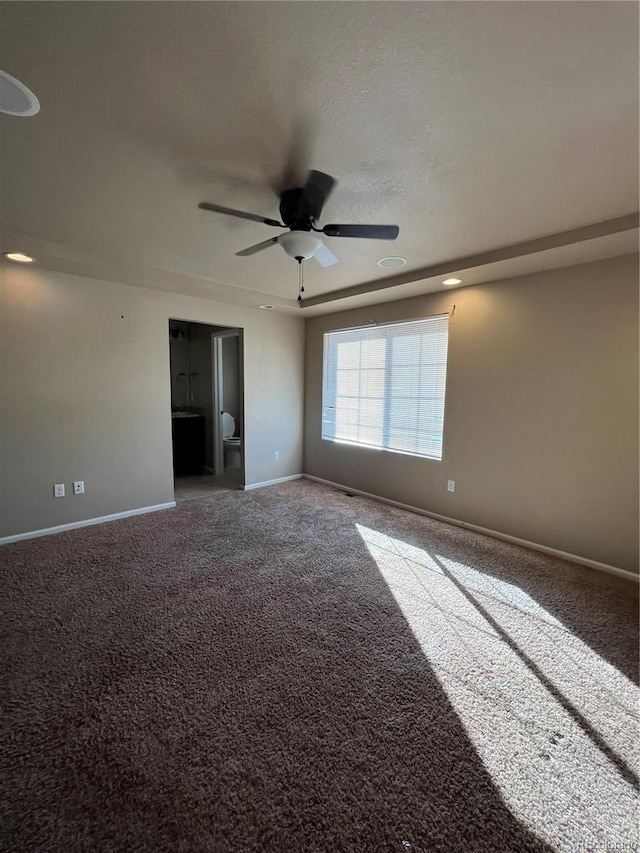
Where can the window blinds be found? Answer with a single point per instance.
(384, 386)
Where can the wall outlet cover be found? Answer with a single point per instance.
(78, 487)
(58, 490)
(451, 485)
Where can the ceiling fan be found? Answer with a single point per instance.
(300, 209)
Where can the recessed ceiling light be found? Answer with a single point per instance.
(19, 257)
(392, 262)
(450, 281)
(15, 98)
(266, 307)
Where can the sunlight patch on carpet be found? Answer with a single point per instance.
(555, 725)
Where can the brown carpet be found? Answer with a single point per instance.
(292, 669)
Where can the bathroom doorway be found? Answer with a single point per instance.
(207, 408)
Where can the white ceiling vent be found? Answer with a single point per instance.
(15, 98)
(392, 262)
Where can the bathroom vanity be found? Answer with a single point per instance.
(188, 438)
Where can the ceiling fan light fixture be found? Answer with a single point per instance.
(300, 244)
(393, 261)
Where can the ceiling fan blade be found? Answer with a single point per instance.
(374, 232)
(321, 181)
(315, 193)
(257, 248)
(325, 257)
(205, 205)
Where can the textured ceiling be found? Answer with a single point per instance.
(471, 125)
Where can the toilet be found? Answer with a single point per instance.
(231, 442)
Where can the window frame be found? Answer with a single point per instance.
(330, 385)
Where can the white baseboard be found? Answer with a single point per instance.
(534, 546)
(87, 522)
(273, 482)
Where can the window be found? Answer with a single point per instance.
(383, 386)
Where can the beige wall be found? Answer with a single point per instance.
(85, 394)
(541, 418)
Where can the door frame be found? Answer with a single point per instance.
(217, 377)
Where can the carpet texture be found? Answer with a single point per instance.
(293, 669)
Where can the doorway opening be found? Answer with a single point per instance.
(207, 408)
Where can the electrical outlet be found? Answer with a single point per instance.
(58, 490)
(276, 455)
(451, 485)
(78, 487)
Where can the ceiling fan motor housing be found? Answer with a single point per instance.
(300, 208)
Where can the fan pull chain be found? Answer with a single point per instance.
(300, 279)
